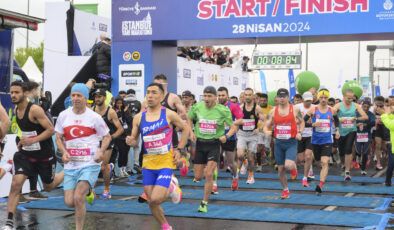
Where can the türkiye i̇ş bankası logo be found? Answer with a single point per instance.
(140, 27)
(126, 56)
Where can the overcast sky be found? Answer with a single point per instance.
(327, 60)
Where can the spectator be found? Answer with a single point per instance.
(122, 94)
(244, 64)
(297, 99)
(103, 62)
(132, 103)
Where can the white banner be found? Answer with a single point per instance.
(195, 76)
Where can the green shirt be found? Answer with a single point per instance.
(210, 121)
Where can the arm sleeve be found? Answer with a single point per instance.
(388, 121)
(306, 119)
(336, 121)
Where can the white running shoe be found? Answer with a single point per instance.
(250, 180)
(243, 169)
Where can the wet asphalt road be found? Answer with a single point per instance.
(64, 220)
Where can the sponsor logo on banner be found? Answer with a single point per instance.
(126, 56)
(93, 27)
(131, 82)
(235, 81)
(131, 73)
(137, 8)
(103, 27)
(187, 73)
(136, 56)
(137, 28)
(387, 14)
(200, 80)
(387, 5)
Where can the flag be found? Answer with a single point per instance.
(292, 88)
(377, 90)
(263, 82)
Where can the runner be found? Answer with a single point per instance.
(346, 133)
(264, 142)
(331, 103)
(364, 136)
(4, 125)
(77, 136)
(115, 130)
(209, 131)
(248, 134)
(230, 146)
(314, 95)
(285, 118)
(379, 132)
(155, 124)
(35, 155)
(322, 118)
(388, 121)
(304, 150)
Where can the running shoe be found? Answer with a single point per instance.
(215, 189)
(379, 167)
(293, 174)
(243, 168)
(259, 168)
(318, 190)
(106, 195)
(22, 199)
(234, 185)
(285, 194)
(6, 227)
(176, 193)
(311, 176)
(203, 207)
(228, 169)
(250, 180)
(195, 181)
(142, 198)
(305, 183)
(363, 173)
(348, 178)
(36, 195)
(353, 165)
(184, 170)
(342, 167)
(91, 197)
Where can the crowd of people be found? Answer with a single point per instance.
(166, 132)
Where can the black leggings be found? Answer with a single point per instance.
(346, 144)
(123, 150)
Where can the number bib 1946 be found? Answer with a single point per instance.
(283, 131)
(248, 124)
(324, 126)
(207, 126)
(34, 147)
(362, 137)
(79, 152)
(156, 144)
(348, 123)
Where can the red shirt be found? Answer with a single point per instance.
(235, 110)
(286, 126)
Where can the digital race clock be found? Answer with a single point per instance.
(276, 60)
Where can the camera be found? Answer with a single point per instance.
(102, 85)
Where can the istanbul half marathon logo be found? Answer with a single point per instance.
(126, 56)
(140, 27)
(388, 5)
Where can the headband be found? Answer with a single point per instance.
(323, 92)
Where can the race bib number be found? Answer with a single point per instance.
(34, 147)
(283, 132)
(207, 126)
(348, 123)
(362, 137)
(324, 126)
(79, 152)
(248, 124)
(156, 144)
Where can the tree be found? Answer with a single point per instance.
(37, 53)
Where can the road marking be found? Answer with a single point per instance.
(332, 208)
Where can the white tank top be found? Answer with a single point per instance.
(307, 130)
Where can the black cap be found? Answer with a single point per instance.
(100, 92)
(282, 91)
(187, 93)
(210, 89)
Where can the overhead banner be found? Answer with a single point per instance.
(195, 76)
(159, 20)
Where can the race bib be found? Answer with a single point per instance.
(362, 137)
(207, 126)
(283, 132)
(248, 124)
(347, 124)
(34, 147)
(79, 152)
(324, 126)
(156, 144)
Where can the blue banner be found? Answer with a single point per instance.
(263, 82)
(208, 19)
(292, 89)
(5, 59)
(377, 90)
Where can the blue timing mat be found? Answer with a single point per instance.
(264, 197)
(377, 180)
(286, 215)
(298, 186)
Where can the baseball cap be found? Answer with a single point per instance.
(307, 96)
(100, 92)
(210, 89)
(187, 93)
(282, 91)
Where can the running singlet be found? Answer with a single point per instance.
(266, 111)
(111, 126)
(156, 139)
(322, 134)
(250, 119)
(307, 130)
(82, 134)
(285, 127)
(236, 113)
(347, 126)
(210, 121)
(38, 150)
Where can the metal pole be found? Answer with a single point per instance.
(306, 57)
(27, 30)
(358, 63)
(371, 50)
